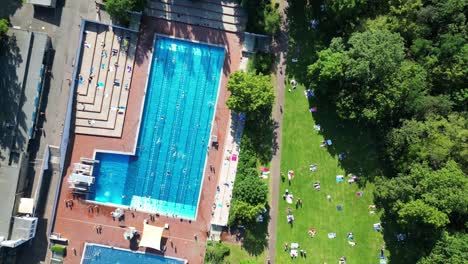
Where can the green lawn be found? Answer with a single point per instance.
(300, 149)
(237, 254)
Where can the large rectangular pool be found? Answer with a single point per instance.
(98, 254)
(166, 173)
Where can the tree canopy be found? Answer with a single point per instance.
(367, 76)
(118, 9)
(251, 93)
(433, 141)
(243, 213)
(401, 68)
(424, 201)
(251, 190)
(3, 26)
(450, 249)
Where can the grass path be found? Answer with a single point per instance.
(301, 148)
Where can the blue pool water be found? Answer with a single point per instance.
(95, 254)
(166, 173)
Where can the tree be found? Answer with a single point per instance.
(251, 190)
(361, 75)
(260, 63)
(433, 141)
(404, 19)
(243, 213)
(427, 105)
(118, 9)
(418, 212)
(425, 198)
(4, 26)
(272, 20)
(405, 88)
(216, 252)
(250, 93)
(449, 249)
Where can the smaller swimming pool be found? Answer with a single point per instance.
(100, 254)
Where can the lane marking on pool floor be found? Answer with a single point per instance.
(116, 227)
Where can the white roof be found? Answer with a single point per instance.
(50, 3)
(151, 236)
(26, 206)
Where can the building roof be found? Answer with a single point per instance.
(49, 3)
(26, 206)
(21, 64)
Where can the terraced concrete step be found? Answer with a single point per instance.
(195, 21)
(117, 132)
(233, 10)
(199, 13)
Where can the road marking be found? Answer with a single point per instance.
(16, 27)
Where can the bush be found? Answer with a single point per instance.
(242, 213)
(262, 16)
(3, 26)
(251, 190)
(272, 21)
(261, 63)
(250, 93)
(59, 249)
(118, 9)
(215, 252)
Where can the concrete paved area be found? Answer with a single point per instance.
(225, 15)
(62, 25)
(280, 48)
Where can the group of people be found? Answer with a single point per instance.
(312, 232)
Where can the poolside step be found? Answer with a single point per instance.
(101, 107)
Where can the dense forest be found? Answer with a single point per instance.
(400, 68)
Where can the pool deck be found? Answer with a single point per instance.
(78, 224)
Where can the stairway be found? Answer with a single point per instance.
(218, 14)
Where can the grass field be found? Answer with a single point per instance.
(300, 149)
(237, 254)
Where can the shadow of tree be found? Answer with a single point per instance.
(255, 237)
(413, 246)
(356, 142)
(263, 130)
(11, 89)
(9, 7)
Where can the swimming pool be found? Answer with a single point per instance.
(166, 173)
(98, 254)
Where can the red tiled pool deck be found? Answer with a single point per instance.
(79, 226)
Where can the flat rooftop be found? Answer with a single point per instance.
(21, 59)
(48, 3)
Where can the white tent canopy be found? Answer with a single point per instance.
(26, 206)
(151, 236)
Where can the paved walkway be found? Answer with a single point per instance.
(279, 48)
